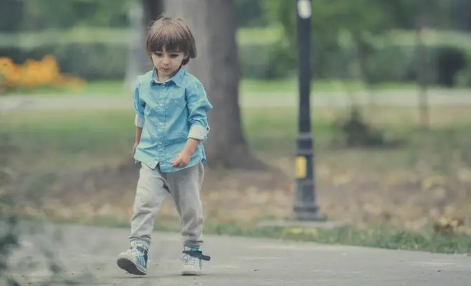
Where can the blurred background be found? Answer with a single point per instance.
(390, 113)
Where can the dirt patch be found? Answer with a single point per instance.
(227, 195)
(399, 199)
(123, 177)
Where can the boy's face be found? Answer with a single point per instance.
(167, 62)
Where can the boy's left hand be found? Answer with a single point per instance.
(181, 160)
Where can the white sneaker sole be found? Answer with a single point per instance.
(187, 271)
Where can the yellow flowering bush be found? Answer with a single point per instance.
(33, 74)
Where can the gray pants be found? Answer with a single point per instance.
(154, 187)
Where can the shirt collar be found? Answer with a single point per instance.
(177, 78)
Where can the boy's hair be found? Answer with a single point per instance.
(173, 34)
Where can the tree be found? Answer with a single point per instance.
(422, 64)
(357, 20)
(217, 66)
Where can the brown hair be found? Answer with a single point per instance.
(173, 34)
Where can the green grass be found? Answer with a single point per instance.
(431, 38)
(82, 135)
(265, 87)
(379, 237)
(259, 35)
(71, 139)
(385, 237)
(248, 88)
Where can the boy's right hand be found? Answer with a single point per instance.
(134, 147)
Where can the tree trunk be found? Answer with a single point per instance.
(462, 9)
(423, 66)
(213, 23)
(12, 15)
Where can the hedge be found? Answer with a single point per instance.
(389, 61)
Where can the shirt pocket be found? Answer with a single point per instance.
(176, 104)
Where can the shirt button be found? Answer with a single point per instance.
(160, 143)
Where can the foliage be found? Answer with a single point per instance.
(391, 57)
(346, 34)
(354, 131)
(53, 14)
(249, 13)
(47, 14)
(101, 54)
(330, 19)
(104, 60)
(33, 74)
(350, 39)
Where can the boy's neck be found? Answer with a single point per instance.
(162, 78)
(166, 78)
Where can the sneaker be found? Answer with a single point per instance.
(192, 259)
(134, 259)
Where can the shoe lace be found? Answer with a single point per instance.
(196, 255)
(192, 260)
(138, 251)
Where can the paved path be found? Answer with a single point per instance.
(89, 255)
(335, 99)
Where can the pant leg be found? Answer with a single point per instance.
(185, 186)
(151, 192)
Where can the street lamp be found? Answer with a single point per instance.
(305, 206)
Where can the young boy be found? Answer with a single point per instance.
(171, 123)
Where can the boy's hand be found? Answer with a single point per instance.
(134, 147)
(138, 139)
(181, 160)
(184, 157)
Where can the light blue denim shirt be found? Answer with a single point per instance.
(169, 113)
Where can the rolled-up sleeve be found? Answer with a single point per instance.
(139, 106)
(198, 107)
(139, 121)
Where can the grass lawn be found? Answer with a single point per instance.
(390, 196)
(248, 87)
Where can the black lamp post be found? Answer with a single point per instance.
(305, 206)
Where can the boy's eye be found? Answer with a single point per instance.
(160, 54)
